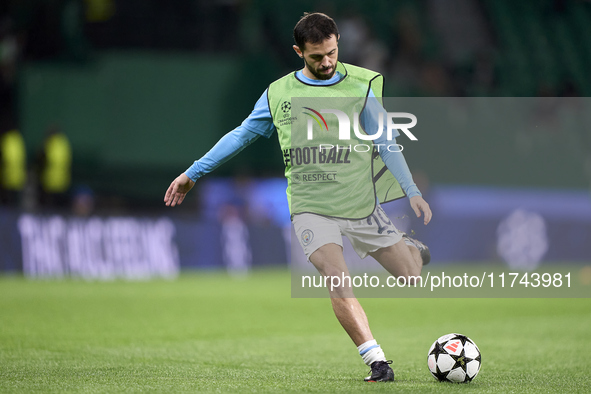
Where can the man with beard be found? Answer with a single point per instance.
(331, 194)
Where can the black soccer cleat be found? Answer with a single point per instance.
(423, 249)
(381, 372)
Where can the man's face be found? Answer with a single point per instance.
(320, 59)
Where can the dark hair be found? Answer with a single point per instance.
(314, 28)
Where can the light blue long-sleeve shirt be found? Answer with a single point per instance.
(260, 123)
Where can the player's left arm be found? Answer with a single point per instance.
(397, 165)
(394, 159)
(418, 204)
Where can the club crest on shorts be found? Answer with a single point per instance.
(307, 237)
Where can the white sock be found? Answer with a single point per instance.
(371, 352)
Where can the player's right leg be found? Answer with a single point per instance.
(329, 261)
(321, 239)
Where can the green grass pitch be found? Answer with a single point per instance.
(209, 332)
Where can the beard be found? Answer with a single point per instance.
(318, 72)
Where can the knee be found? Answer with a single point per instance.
(337, 282)
(412, 275)
(341, 293)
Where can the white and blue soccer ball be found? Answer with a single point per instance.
(454, 358)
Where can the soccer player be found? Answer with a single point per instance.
(346, 201)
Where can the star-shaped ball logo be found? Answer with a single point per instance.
(286, 106)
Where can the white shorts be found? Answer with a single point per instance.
(366, 235)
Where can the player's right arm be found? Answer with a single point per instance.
(178, 189)
(258, 123)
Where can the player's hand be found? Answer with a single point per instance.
(418, 204)
(177, 190)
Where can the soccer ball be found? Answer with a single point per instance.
(454, 358)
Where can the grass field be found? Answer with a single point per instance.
(208, 332)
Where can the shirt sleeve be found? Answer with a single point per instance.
(394, 160)
(371, 114)
(258, 123)
(260, 120)
(226, 148)
(388, 149)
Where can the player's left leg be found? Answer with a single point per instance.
(400, 260)
(418, 249)
(377, 236)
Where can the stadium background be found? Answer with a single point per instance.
(142, 88)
